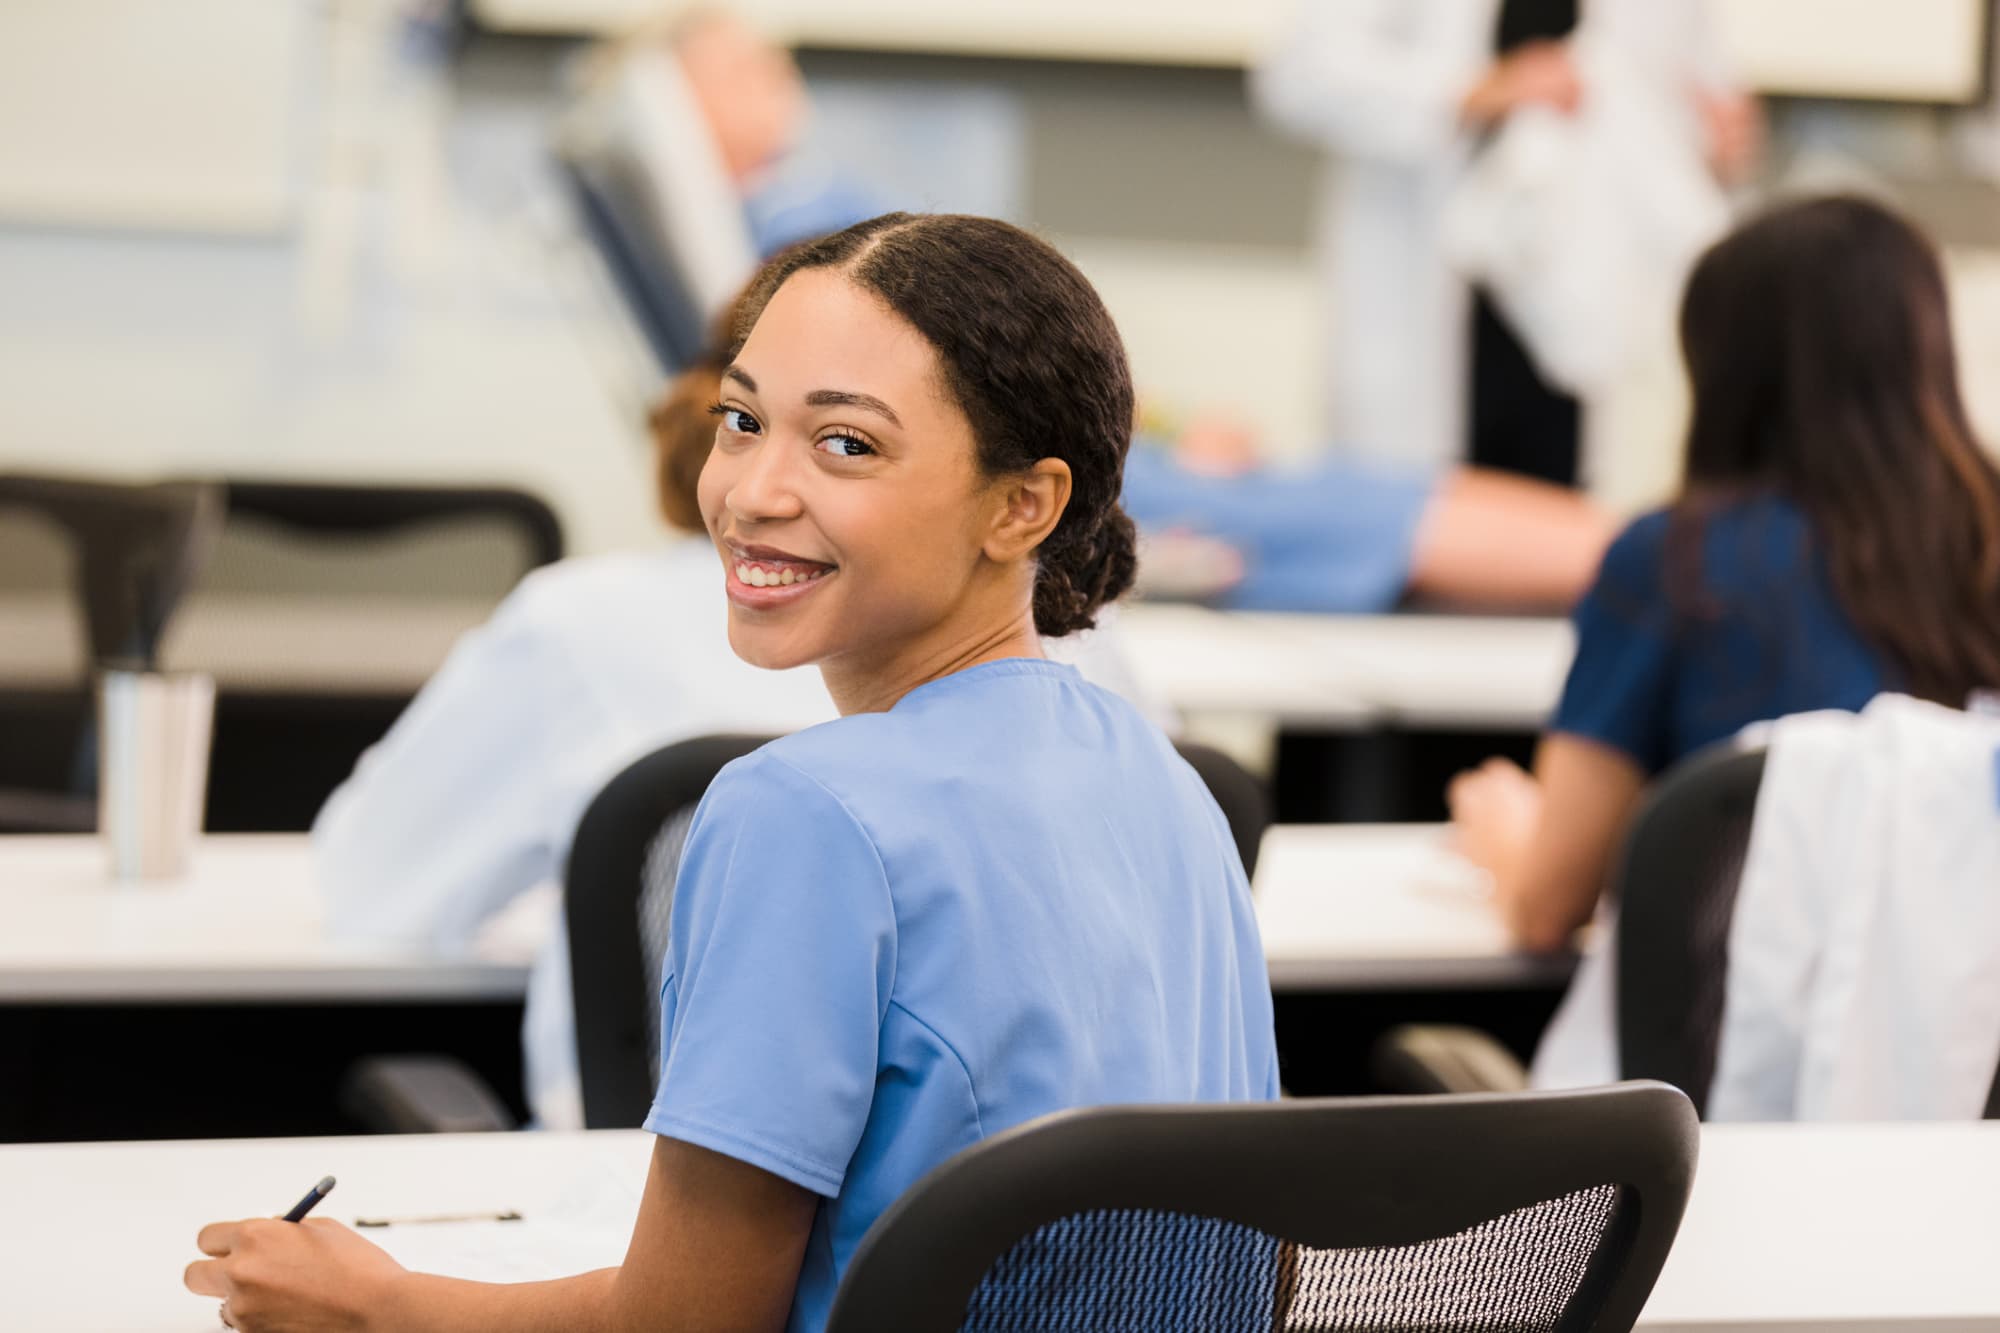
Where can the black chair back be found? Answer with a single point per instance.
(136, 549)
(290, 724)
(113, 559)
(619, 224)
(1531, 1212)
(618, 896)
(1675, 886)
(1245, 803)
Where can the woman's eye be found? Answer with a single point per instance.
(736, 420)
(844, 446)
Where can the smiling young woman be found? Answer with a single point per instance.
(989, 891)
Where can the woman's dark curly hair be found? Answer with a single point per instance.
(1030, 356)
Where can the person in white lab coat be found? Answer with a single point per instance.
(467, 807)
(1401, 93)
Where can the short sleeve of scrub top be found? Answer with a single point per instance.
(783, 942)
(1620, 687)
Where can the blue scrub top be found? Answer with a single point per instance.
(1335, 536)
(897, 933)
(1763, 637)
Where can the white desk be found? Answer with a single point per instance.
(1342, 907)
(1839, 1229)
(1345, 673)
(1345, 907)
(245, 925)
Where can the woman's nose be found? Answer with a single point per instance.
(764, 487)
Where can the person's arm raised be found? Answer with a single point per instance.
(717, 1246)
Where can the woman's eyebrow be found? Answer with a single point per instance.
(844, 398)
(741, 376)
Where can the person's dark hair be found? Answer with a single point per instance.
(1818, 343)
(1031, 357)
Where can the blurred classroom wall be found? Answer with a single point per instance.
(347, 256)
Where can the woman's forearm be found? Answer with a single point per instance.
(586, 1303)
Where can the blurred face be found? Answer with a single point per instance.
(843, 491)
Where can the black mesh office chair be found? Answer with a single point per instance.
(1529, 1213)
(314, 552)
(618, 891)
(132, 551)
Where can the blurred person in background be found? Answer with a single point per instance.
(1837, 535)
(1348, 537)
(1404, 93)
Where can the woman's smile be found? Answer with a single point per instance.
(760, 578)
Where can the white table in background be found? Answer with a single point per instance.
(1791, 1229)
(244, 925)
(1384, 907)
(1342, 907)
(1351, 673)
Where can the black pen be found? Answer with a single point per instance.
(313, 1196)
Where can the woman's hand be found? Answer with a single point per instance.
(1495, 810)
(1539, 72)
(294, 1276)
(1733, 125)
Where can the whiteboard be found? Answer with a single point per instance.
(1894, 50)
(1903, 50)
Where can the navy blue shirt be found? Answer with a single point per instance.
(1762, 637)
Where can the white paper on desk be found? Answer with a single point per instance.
(587, 1227)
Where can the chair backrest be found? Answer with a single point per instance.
(655, 298)
(135, 549)
(1528, 1212)
(1675, 887)
(1245, 803)
(325, 607)
(618, 894)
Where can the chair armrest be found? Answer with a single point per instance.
(1419, 1058)
(421, 1094)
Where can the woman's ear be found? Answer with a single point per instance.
(1032, 503)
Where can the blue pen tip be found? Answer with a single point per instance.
(325, 1185)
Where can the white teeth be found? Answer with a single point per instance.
(756, 576)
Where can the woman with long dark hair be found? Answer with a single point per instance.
(1837, 535)
(988, 891)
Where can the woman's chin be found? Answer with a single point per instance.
(772, 652)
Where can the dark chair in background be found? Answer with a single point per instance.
(618, 893)
(619, 225)
(1530, 1213)
(1674, 884)
(117, 558)
(309, 560)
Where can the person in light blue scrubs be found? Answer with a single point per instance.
(987, 892)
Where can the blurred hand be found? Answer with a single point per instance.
(1218, 445)
(1733, 126)
(1536, 73)
(750, 92)
(1494, 811)
(315, 1276)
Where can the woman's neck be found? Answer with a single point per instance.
(877, 685)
